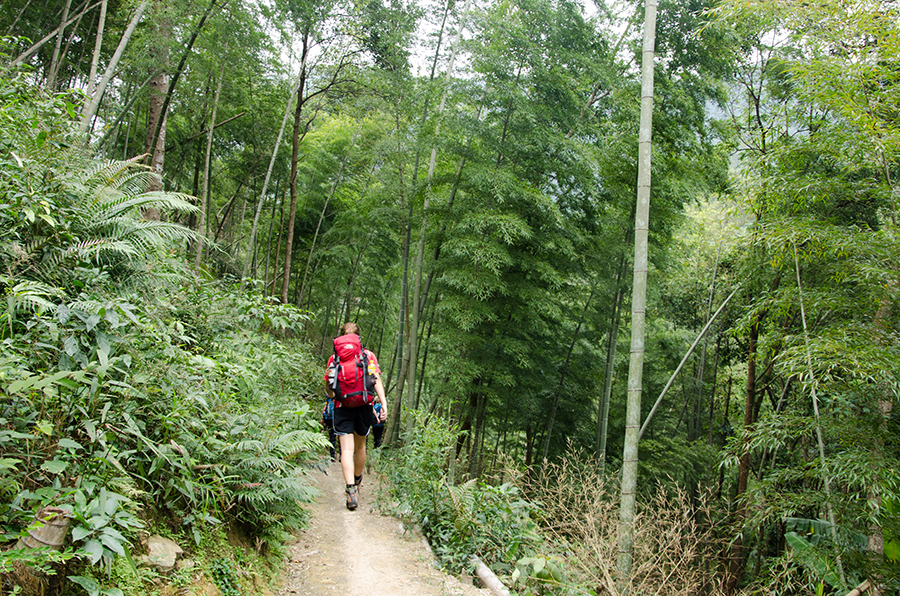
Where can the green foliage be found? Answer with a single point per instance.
(93, 587)
(224, 576)
(129, 388)
(101, 523)
(807, 537)
(493, 522)
(538, 575)
(818, 165)
(41, 559)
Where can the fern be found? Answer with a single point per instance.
(464, 497)
(88, 213)
(25, 296)
(247, 445)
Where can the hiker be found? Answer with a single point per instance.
(327, 422)
(378, 427)
(353, 379)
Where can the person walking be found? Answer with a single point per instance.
(378, 427)
(328, 424)
(353, 379)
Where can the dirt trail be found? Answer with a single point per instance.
(361, 552)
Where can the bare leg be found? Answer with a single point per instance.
(359, 455)
(347, 462)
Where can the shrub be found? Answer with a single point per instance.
(674, 538)
(128, 386)
(494, 523)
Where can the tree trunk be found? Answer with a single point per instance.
(65, 52)
(638, 308)
(269, 239)
(204, 196)
(275, 268)
(354, 272)
(820, 440)
(37, 46)
(295, 156)
(475, 466)
(611, 348)
(562, 373)
(90, 108)
(334, 184)
(226, 213)
(98, 44)
(431, 319)
(262, 194)
(18, 16)
(159, 125)
(392, 430)
(154, 142)
(687, 355)
(420, 249)
(701, 373)
(735, 562)
(735, 571)
(54, 60)
(478, 405)
(712, 395)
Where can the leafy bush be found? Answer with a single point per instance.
(494, 523)
(128, 386)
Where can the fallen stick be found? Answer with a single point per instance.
(859, 589)
(488, 578)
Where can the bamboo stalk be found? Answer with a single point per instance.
(487, 577)
(860, 589)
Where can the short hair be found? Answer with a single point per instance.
(349, 327)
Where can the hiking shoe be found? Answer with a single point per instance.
(352, 501)
(357, 480)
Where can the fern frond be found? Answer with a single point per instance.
(86, 306)
(100, 173)
(463, 497)
(32, 296)
(268, 462)
(298, 441)
(32, 303)
(161, 230)
(91, 250)
(248, 445)
(177, 201)
(115, 205)
(127, 177)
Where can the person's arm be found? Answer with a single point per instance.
(379, 391)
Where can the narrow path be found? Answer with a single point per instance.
(361, 552)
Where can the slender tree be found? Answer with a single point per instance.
(90, 107)
(638, 307)
(204, 196)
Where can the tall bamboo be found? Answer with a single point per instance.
(90, 107)
(265, 187)
(420, 254)
(55, 59)
(204, 199)
(638, 307)
(98, 44)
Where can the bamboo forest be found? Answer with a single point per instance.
(630, 270)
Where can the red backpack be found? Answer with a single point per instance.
(348, 373)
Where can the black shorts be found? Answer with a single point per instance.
(353, 420)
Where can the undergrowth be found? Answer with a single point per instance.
(553, 529)
(136, 396)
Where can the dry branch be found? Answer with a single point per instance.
(487, 577)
